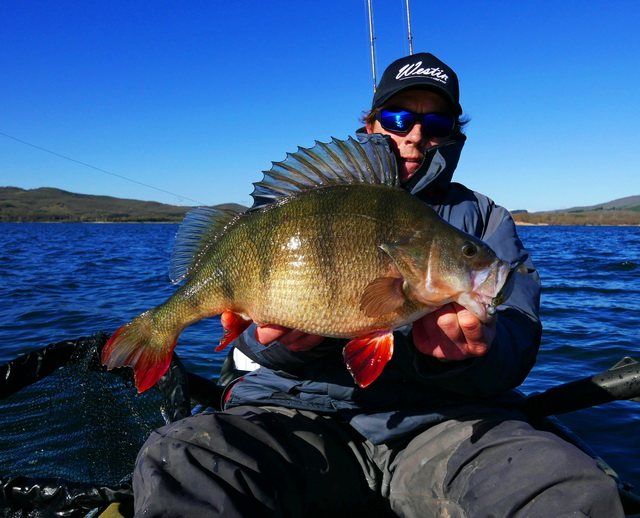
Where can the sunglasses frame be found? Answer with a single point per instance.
(417, 117)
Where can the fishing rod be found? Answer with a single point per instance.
(372, 38)
(409, 35)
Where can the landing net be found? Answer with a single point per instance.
(70, 430)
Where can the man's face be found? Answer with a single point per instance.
(411, 146)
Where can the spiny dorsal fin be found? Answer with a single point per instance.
(199, 228)
(337, 162)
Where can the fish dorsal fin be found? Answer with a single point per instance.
(337, 162)
(199, 228)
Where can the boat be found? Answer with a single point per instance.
(70, 430)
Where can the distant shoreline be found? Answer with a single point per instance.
(518, 223)
(50, 205)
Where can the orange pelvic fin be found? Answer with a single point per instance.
(234, 325)
(135, 345)
(367, 355)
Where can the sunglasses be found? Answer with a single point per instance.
(401, 121)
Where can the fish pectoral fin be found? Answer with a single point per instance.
(234, 325)
(367, 355)
(381, 296)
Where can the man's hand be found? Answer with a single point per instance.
(292, 339)
(452, 333)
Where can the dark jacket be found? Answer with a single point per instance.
(414, 390)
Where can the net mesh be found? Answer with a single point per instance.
(79, 425)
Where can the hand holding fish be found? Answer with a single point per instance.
(291, 338)
(452, 333)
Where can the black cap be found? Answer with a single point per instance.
(422, 70)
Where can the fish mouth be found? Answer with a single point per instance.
(507, 286)
(487, 283)
(488, 290)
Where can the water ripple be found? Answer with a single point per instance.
(62, 281)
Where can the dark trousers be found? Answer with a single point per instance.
(272, 461)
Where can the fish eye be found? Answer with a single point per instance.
(469, 249)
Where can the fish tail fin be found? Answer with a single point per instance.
(367, 355)
(141, 346)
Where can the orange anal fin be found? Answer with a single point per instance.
(128, 347)
(367, 355)
(234, 325)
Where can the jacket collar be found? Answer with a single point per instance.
(432, 179)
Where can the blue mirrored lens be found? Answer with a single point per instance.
(437, 125)
(402, 121)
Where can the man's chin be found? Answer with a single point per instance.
(407, 170)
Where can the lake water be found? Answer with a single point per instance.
(63, 281)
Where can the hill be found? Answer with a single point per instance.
(55, 205)
(628, 203)
(623, 211)
(47, 204)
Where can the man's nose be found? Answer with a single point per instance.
(415, 135)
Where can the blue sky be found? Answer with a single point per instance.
(198, 97)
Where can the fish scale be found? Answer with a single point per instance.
(303, 287)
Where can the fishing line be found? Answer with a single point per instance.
(101, 170)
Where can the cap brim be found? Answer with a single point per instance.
(420, 86)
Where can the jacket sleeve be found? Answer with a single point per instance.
(514, 350)
(275, 355)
